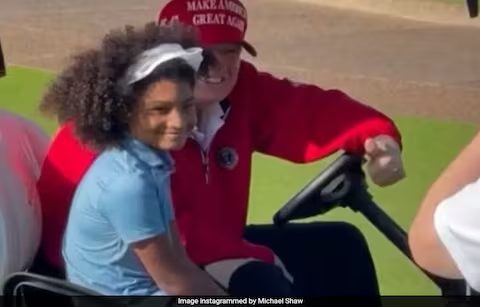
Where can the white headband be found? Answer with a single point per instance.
(150, 59)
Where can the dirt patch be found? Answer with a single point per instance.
(424, 10)
(398, 65)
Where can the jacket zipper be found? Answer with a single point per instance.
(205, 164)
(204, 153)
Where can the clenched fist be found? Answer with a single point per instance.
(384, 166)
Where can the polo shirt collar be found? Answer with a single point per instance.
(211, 119)
(151, 156)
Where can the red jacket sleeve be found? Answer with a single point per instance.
(66, 162)
(303, 123)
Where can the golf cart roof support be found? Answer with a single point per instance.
(3, 69)
(472, 6)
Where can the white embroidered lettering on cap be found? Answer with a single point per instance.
(150, 59)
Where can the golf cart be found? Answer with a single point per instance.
(342, 183)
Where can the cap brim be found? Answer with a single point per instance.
(249, 48)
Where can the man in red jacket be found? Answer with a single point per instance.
(242, 111)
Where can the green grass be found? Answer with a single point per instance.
(21, 90)
(429, 146)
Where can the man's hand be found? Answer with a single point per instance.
(385, 166)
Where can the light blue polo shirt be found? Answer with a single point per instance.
(123, 198)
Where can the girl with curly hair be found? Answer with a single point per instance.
(131, 99)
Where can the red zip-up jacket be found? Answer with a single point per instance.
(210, 190)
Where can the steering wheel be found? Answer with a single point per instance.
(342, 183)
(324, 192)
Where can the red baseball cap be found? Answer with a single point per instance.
(218, 21)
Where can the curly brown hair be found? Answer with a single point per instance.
(89, 91)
